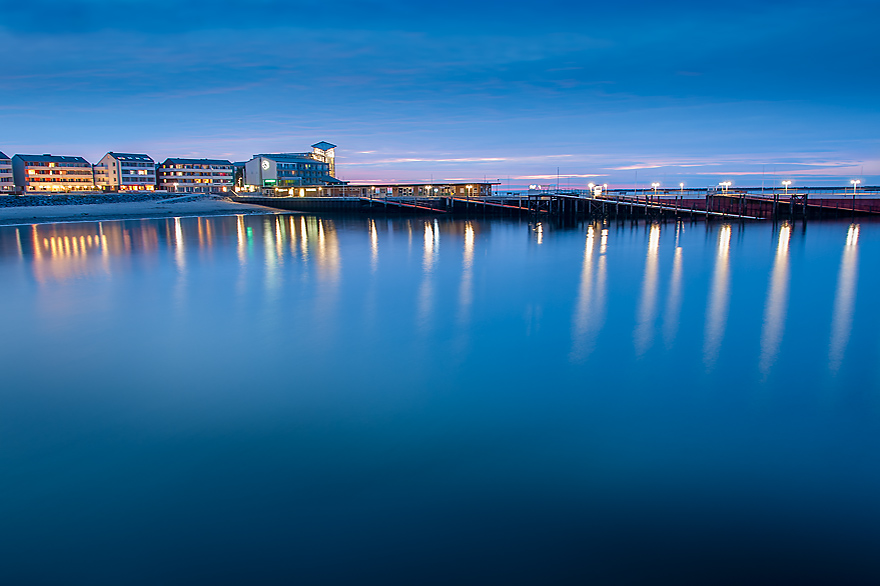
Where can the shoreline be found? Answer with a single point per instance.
(138, 210)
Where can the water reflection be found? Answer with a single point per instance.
(777, 299)
(279, 257)
(673, 301)
(303, 238)
(465, 289)
(242, 233)
(716, 314)
(63, 253)
(284, 412)
(645, 322)
(590, 307)
(426, 290)
(271, 258)
(374, 245)
(844, 299)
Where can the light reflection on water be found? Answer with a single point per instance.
(716, 316)
(844, 300)
(777, 297)
(281, 381)
(61, 252)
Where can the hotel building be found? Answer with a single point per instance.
(52, 173)
(7, 185)
(195, 175)
(125, 172)
(326, 153)
(285, 170)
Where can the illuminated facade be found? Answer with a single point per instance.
(52, 173)
(326, 153)
(126, 172)
(196, 175)
(455, 190)
(7, 185)
(288, 170)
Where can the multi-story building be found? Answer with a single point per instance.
(7, 185)
(195, 175)
(287, 170)
(326, 153)
(52, 173)
(125, 172)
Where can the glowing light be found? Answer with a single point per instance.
(645, 324)
(716, 315)
(777, 301)
(374, 246)
(844, 300)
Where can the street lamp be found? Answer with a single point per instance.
(855, 184)
(786, 184)
(654, 186)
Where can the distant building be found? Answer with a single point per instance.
(456, 190)
(126, 172)
(52, 173)
(326, 153)
(195, 175)
(287, 170)
(7, 185)
(238, 173)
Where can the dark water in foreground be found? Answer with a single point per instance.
(287, 399)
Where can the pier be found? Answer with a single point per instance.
(709, 203)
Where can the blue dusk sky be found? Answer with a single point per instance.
(612, 92)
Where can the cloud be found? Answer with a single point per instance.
(562, 176)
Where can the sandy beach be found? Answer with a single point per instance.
(208, 206)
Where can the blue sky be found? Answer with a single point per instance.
(678, 91)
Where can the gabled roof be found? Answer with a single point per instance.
(324, 145)
(130, 156)
(197, 162)
(51, 159)
(2, 156)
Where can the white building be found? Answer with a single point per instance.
(52, 173)
(195, 175)
(126, 172)
(287, 170)
(7, 184)
(326, 153)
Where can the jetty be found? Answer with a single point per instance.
(482, 199)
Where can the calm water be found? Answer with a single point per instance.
(303, 400)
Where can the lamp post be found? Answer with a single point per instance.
(855, 184)
(786, 184)
(654, 186)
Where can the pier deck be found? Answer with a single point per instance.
(707, 203)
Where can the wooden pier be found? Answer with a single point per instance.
(707, 204)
